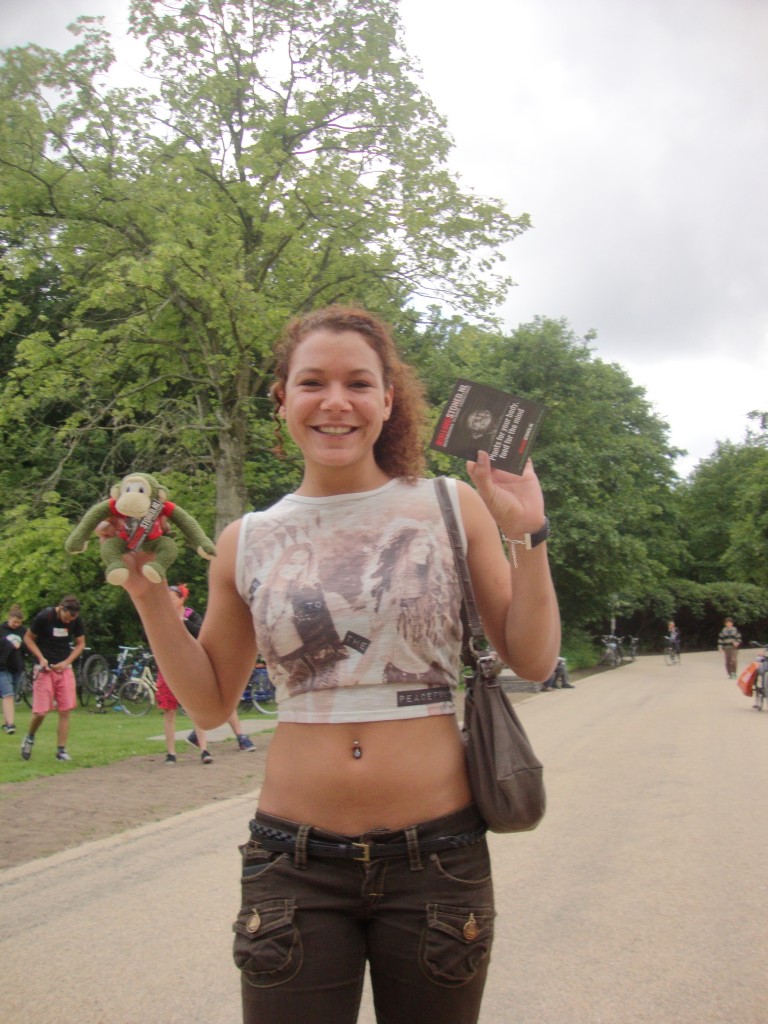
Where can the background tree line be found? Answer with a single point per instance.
(282, 156)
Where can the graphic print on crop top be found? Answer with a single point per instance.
(354, 593)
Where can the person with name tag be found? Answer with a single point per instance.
(56, 638)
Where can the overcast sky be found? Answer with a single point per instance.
(635, 134)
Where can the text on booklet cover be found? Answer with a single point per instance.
(478, 417)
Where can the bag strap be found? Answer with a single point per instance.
(484, 655)
(452, 526)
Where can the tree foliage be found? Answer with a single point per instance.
(724, 509)
(603, 457)
(286, 157)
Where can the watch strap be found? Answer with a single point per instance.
(532, 540)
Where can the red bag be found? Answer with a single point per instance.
(746, 681)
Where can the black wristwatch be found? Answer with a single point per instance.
(533, 540)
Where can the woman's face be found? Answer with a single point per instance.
(14, 621)
(335, 401)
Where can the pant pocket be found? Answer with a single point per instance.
(267, 946)
(456, 943)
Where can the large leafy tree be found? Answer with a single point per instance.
(726, 506)
(723, 518)
(603, 456)
(282, 156)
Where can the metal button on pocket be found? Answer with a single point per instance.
(470, 931)
(253, 923)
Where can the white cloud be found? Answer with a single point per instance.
(704, 400)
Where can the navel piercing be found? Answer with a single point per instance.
(356, 749)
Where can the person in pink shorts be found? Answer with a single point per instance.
(56, 638)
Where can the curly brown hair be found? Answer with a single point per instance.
(399, 449)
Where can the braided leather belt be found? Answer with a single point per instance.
(283, 842)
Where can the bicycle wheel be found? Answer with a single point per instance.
(96, 674)
(83, 693)
(265, 707)
(135, 697)
(25, 689)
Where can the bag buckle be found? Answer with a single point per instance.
(366, 848)
(488, 665)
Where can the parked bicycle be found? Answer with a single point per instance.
(78, 667)
(138, 693)
(760, 687)
(27, 682)
(259, 694)
(119, 686)
(613, 654)
(633, 647)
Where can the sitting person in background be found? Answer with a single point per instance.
(559, 678)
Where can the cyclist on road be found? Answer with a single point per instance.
(673, 637)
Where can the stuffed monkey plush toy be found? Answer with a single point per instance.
(139, 509)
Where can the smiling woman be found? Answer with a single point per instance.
(348, 589)
(335, 409)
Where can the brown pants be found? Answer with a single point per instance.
(422, 922)
(731, 658)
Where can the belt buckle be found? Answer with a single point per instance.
(366, 857)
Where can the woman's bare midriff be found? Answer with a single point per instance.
(407, 772)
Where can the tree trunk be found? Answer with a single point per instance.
(231, 496)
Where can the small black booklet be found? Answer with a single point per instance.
(478, 417)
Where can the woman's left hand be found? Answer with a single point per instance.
(515, 502)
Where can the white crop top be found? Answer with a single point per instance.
(355, 603)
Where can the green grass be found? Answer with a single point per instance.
(94, 739)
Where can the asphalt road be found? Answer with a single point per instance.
(642, 897)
